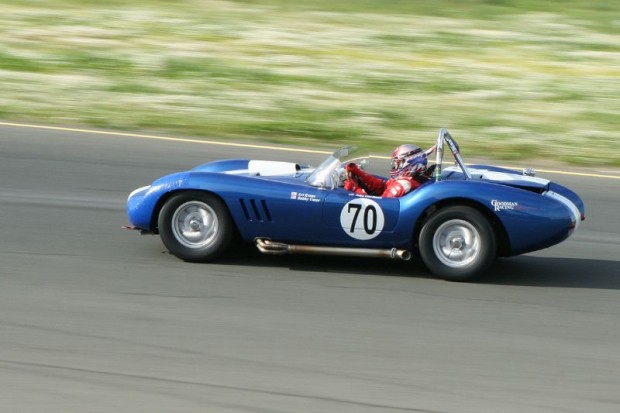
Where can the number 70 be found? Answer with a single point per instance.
(369, 218)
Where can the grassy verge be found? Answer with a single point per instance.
(510, 79)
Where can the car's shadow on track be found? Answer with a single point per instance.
(521, 271)
(247, 255)
(554, 272)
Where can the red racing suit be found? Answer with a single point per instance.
(364, 183)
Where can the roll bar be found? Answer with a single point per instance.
(445, 138)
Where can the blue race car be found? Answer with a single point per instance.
(458, 222)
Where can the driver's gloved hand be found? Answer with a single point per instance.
(349, 185)
(353, 168)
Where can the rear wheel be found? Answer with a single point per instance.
(195, 226)
(457, 243)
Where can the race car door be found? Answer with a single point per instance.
(282, 212)
(363, 221)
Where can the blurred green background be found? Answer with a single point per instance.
(509, 79)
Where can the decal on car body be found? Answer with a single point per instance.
(502, 205)
(362, 218)
(300, 196)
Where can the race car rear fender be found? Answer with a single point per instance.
(529, 221)
(503, 241)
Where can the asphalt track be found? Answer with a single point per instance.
(97, 319)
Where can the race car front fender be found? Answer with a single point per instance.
(141, 203)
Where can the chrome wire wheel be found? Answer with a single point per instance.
(195, 224)
(456, 243)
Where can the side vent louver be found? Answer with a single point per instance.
(255, 210)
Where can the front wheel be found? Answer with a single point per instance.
(457, 243)
(195, 226)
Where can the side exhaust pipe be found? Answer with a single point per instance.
(267, 246)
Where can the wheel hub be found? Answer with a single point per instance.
(456, 243)
(195, 224)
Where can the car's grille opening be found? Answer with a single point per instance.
(246, 214)
(255, 210)
(267, 213)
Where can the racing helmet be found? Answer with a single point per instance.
(407, 159)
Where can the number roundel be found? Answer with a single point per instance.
(362, 219)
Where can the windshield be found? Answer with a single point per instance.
(330, 173)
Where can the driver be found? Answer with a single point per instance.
(408, 170)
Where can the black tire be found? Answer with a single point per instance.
(195, 226)
(457, 243)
